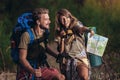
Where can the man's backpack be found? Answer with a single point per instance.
(24, 23)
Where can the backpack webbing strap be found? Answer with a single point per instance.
(33, 63)
(31, 35)
(31, 41)
(35, 67)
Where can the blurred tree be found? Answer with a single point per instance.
(17, 7)
(81, 2)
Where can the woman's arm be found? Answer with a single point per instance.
(82, 30)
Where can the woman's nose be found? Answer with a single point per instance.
(49, 21)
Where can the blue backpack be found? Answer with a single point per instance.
(24, 23)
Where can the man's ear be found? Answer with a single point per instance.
(38, 22)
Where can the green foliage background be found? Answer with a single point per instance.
(103, 14)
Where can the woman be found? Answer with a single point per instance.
(70, 39)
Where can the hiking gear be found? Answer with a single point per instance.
(24, 23)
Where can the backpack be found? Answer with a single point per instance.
(24, 23)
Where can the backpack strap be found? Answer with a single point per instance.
(31, 41)
(31, 35)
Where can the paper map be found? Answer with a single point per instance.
(97, 44)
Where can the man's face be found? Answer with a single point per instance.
(44, 21)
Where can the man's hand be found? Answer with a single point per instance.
(59, 57)
(37, 72)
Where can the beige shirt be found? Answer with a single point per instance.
(35, 48)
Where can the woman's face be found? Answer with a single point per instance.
(65, 21)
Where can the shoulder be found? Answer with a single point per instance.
(24, 40)
(80, 24)
(25, 35)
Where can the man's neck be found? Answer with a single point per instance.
(39, 31)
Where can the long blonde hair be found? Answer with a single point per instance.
(66, 13)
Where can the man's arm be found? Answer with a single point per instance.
(26, 64)
(24, 61)
(51, 52)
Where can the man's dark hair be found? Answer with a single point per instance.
(38, 11)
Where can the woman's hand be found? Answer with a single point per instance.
(62, 33)
(92, 33)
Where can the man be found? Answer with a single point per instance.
(32, 57)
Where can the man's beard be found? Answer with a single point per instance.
(42, 27)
